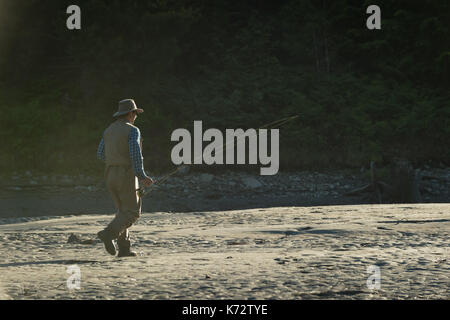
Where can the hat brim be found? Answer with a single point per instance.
(117, 114)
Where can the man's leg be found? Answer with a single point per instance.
(131, 208)
(129, 211)
(115, 182)
(112, 177)
(122, 185)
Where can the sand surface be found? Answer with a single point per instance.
(271, 253)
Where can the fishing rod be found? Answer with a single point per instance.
(143, 191)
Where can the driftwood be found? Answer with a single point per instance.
(403, 186)
(73, 238)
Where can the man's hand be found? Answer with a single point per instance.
(147, 182)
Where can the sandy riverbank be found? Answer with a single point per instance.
(271, 253)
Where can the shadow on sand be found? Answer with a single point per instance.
(293, 232)
(65, 262)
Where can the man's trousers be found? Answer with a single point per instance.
(122, 184)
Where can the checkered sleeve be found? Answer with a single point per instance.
(101, 150)
(137, 161)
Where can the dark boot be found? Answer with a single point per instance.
(128, 253)
(107, 241)
(124, 244)
(124, 251)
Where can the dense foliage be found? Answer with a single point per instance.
(361, 94)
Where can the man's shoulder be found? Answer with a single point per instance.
(120, 127)
(108, 128)
(113, 124)
(133, 127)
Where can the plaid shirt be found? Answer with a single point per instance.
(135, 152)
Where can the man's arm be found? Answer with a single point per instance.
(101, 150)
(136, 153)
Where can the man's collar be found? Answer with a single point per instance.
(123, 120)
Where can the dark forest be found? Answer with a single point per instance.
(361, 95)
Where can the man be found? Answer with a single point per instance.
(121, 149)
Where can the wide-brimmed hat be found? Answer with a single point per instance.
(126, 106)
